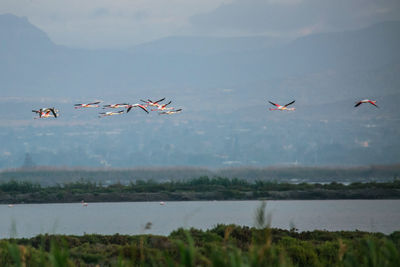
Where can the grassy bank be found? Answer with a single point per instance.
(224, 245)
(203, 188)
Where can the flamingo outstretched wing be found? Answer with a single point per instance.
(373, 103)
(290, 103)
(145, 109)
(276, 105)
(53, 112)
(95, 103)
(159, 100)
(137, 105)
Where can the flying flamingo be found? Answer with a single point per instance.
(170, 112)
(110, 113)
(151, 103)
(366, 101)
(88, 105)
(121, 105)
(285, 107)
(46, 112)
(135, 106)
(163, 107)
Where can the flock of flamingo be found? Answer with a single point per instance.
(162, 108)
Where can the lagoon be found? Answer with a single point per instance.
(27, 220)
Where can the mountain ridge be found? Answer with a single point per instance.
(184, 61)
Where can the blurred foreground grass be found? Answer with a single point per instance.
(224, 245)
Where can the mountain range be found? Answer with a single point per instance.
(31, 62)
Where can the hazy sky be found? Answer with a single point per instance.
(121, 23)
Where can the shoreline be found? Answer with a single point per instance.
(367, 194)
(202, 200)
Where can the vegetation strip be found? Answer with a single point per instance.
(224, 245)
(52, 175)
(202, 188)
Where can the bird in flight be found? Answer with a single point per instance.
(372, 102)
(110, 113)
(88, 105)
(121, 105)
(170, 112)
(151, 103)
(285, 107)
(162, 107)
(46, 113)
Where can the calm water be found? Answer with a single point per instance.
(130, 218)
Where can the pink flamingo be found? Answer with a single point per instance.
(285, 107)
(366, 101)
(121, 105)
(162, 107)
(88, 105)
(151, 103)
(110, 113)
(46, 112)
(170, 112)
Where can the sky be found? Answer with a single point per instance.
(122, 23)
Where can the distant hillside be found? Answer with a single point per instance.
(18, 35)
(30, 62)
(369, 48)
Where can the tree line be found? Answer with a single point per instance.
(53, 175)
(202, 188)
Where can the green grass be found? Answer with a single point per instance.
(224, 245)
